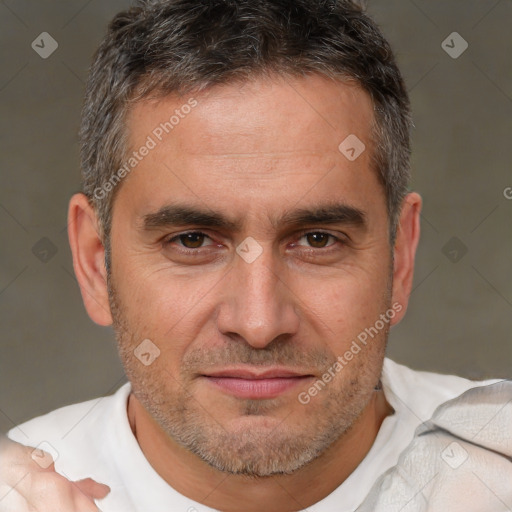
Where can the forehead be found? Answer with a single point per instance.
(260, 139)
(310, 109)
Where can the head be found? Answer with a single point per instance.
(265, 226)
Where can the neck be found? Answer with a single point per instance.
(193, 478)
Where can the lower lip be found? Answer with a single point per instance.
(255, 389)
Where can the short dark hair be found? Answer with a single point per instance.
(159, 47)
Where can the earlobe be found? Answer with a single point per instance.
(406, 243)
(89, 258)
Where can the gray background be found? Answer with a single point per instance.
(459, 319)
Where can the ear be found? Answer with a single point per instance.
(89, 258)
(407, 238)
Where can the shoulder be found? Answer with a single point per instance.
(75, 432)
(423, 391)
(62, 421)
(460, 459)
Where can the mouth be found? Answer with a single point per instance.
(255, 384)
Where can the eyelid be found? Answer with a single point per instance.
(339, 238)
(171, 238)
(343, 237)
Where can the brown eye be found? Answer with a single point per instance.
(192, 240)
(318, 240)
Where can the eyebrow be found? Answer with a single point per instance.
(182, 215)
(327, 214)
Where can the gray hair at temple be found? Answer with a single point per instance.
(160, 47)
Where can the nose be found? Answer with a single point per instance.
(257, 305)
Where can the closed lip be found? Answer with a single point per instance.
(256, 374)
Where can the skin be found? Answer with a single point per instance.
(251, 153)
(37, 487)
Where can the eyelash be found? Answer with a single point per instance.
(198, 251)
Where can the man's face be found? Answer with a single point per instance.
(294, 296)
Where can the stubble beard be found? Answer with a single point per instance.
(255, 451)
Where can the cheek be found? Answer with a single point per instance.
(168, 309)
(354, 331)
(346, 304)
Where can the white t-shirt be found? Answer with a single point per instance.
(94, 439)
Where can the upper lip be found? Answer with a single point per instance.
(254, 374)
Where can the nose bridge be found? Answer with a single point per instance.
(258, 306)
(260, 286)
